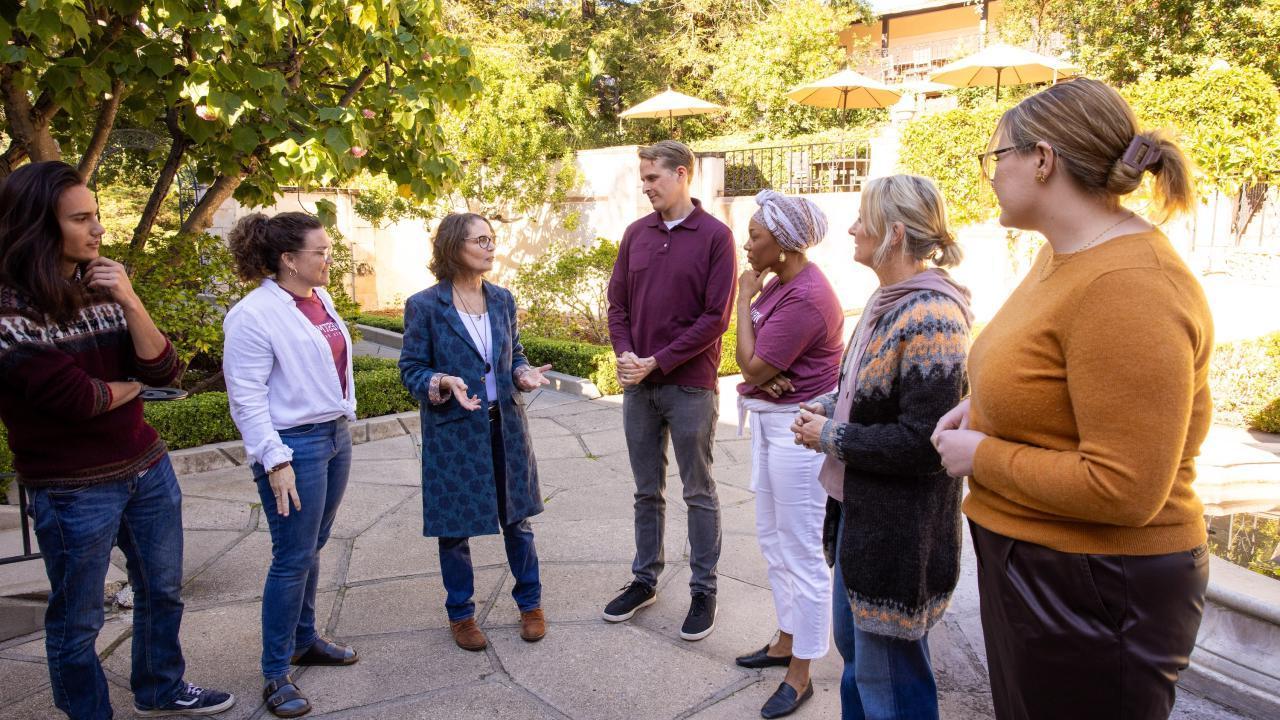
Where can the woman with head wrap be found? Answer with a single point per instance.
(789, 342)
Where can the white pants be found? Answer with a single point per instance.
(790, 507)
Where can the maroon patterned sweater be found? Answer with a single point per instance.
(54, 395)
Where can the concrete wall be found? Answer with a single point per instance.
(392, 261)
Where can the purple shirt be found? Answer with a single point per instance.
(671, 296)
(798, 330)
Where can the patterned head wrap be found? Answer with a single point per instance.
(796, 223)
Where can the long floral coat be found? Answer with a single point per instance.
(459, 496)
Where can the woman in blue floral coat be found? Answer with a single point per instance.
(479, 475)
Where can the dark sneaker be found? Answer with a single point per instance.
(701, 619)
(635, 595)
(193, 700)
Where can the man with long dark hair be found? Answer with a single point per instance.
(76, 347)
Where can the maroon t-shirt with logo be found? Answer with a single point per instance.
(798, 330)
(315, 311)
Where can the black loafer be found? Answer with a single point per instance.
(323, 652)
(284, 699)
(784, 701)
(762, 659)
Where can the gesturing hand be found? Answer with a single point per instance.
(533, 378)
(458, 387)
(284, 487)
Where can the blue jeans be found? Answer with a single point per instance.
(884, 678)
(522, 556)
(321, 463)
(76, 529)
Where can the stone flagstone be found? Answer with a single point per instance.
(381, 592)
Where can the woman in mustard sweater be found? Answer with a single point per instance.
(1089, 403)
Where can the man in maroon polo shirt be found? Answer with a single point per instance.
(670, 300)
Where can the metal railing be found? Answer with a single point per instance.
(24, 523)
(810, 168)
(919, 60)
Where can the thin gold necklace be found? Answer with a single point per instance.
(1059, 259)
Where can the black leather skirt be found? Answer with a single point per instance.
(1077, 636)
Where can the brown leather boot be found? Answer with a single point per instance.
(468, 635)
(533, 625)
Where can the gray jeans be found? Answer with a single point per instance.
(687, 415)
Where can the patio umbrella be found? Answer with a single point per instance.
(670, 105)
(846, 89)
(1002, 64)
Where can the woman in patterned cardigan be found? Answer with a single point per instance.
(895, 512)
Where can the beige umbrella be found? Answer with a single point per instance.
(846, 89)
(669, 104)
(1002, 64)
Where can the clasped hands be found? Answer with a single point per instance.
(633, 369)
(531, 379)
(955, 442)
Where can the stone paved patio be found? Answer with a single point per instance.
(381, 592)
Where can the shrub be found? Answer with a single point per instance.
(565, 291)
(1268, 418)
(198, 420)
(944, 146)
(206, 418)
(1245, 380)
(362, 363)
(380, 393)
(384, 322)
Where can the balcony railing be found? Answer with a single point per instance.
(811, 168)
(919, 60)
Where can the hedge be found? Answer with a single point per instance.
(205, 418)
(1245, 382)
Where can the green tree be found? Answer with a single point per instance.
(795, 42)
(944, 146)
(1126, 41)
(253, 96)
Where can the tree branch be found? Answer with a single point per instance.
(11, 157)
(356, 84)
(34, 138)
(160, 191)
(220, 191)
(102, 129)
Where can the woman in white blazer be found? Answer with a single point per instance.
(287, 363)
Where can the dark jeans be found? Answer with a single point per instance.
(321, 464)
(76, 529)
(651, 414)
(1072, 635)
(884, 678)
(522, 556)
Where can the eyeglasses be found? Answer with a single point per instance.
(328, 254)
(987, 160)
(484, 242)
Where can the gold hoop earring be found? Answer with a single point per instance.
(293, 272)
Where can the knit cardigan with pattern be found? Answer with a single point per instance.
(900, 552)
(54, 397)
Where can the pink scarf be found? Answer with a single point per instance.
(883, 301)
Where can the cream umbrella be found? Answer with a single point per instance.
(670, 105)
(1002, 64)
(846, 89)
